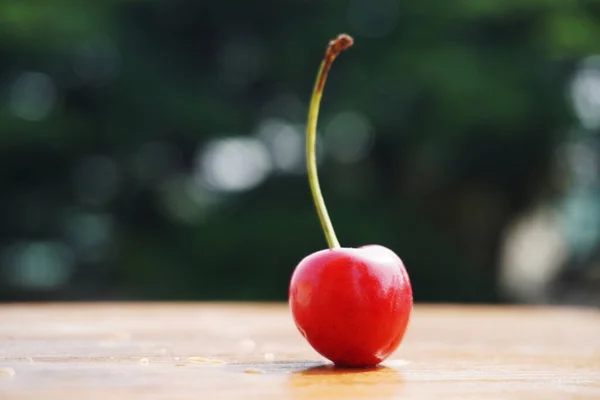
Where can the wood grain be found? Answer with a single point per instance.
(99, 351)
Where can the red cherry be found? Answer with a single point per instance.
(352, 305)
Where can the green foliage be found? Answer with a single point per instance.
(467, 100)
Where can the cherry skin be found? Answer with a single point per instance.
(352, 305)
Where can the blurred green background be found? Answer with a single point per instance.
(155, 149)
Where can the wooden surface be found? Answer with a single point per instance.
(99, 351)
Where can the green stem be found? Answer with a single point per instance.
(342, 42)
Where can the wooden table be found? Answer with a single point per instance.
(253, 351)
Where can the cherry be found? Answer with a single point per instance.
(352, 305)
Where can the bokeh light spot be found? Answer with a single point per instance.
(33, 96)
(38, 265)
(286, 144)
(348, 137)
(184, 201)
(90, 234)
(234, 164)
(585, 92)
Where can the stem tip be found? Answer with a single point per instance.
(336, 46)
(339, 44)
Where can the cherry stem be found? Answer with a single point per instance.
(336, 46)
